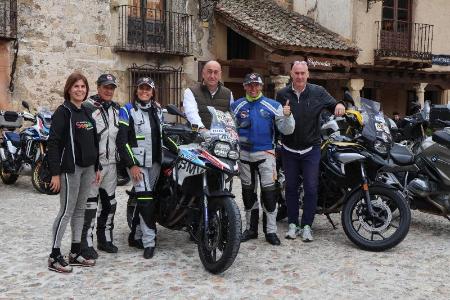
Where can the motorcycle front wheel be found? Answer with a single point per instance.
(7, 178)
(218, 249)
(386, 229)
(38, 184)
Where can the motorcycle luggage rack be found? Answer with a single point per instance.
(10, 120)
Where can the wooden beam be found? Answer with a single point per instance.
(277, 58)
(244, 63)
(328, 75)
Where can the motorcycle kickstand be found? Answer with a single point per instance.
(331, 221)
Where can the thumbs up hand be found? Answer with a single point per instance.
(287, 109)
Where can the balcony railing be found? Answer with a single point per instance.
(404, 40)
(8, 19)
(154, 31)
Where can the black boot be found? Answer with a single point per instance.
(148, 252)
(252, 232)
(273, 239)
(107, 247)
(132, 242)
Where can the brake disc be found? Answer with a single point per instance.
(383, 217)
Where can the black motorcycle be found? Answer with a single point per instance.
(194, 188)
(374, 215)
(424, 176)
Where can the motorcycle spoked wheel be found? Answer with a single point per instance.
(37, 182)
(7, 178)
(218, 251)
(387, 229)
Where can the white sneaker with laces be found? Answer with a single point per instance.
(307, 234)
(292, 232)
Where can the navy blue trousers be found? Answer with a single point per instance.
(295, 166)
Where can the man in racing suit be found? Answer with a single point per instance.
(105, 113)
(257, 116)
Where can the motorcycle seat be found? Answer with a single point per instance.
(14, 137)
(401, 155)
(442, 137)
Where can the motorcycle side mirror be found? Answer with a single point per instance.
(26, 105)
(173, 110)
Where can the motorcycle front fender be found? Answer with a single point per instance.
(371, 185)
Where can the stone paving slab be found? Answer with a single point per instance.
(329, 268)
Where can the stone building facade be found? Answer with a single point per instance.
(42, 42)
(128, 38)
(404, 51)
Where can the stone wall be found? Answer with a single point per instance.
(59, 37)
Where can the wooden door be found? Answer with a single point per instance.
(146, 25)
(395, 30)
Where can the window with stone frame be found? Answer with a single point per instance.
(167, 82)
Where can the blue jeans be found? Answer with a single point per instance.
(295, 166)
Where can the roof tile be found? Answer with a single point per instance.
(279, 27)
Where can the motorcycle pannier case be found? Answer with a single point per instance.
(10, 119)
(439, 112)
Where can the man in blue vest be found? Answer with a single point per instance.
(256, 117)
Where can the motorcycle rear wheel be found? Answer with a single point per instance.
(224, 235)
(7, 178)
(393, 218)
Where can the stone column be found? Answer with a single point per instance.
(445, 97)
(420, 92)
(280, 81)
(355, 86)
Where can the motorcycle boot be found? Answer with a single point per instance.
(251, 205)
(87, 244)
(105, 222)
(268, 199)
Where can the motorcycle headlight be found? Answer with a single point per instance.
(222, 149)
(234, 155)
(380, 147)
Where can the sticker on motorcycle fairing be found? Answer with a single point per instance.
(217, 131)
(217, 163)
(191, 155)
(379, 118)
(189, 168)
(380, 126)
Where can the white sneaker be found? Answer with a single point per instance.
(307, 234)
(292, 232)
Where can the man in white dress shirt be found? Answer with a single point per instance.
(209, 92)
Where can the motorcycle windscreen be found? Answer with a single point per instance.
(223, 127)
(375, 125)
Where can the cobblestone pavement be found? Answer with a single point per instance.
(329, 268)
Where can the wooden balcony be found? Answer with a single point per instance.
(404, 44)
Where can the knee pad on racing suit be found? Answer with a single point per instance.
(89, 222)
(146, 205)
(105, 217)
(268, 198)
(248, 196)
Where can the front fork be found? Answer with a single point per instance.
(365, 187)
(205, 207)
